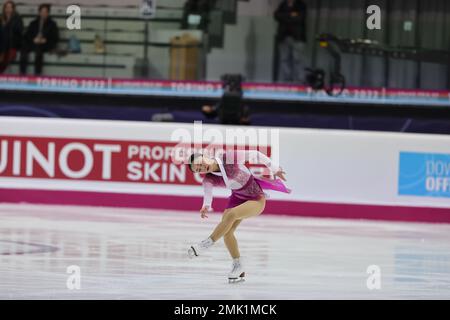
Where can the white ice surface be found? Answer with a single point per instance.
(141, 254)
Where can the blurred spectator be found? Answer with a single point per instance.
(230, 109)
(291, 38)
(11, 29)
(41, 36)
(1, 47)
(196, 14)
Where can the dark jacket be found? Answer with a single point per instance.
(11, 33)
(2, 43)
(49, 31)
(289, 25)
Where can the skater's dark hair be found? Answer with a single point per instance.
(192, 158)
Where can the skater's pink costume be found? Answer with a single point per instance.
(236, 176)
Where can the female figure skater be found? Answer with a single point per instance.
(247, 197)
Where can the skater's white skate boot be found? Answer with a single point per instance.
(197, 249)
(237, 273)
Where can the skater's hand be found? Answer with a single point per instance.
(204, 211)
(280, 174)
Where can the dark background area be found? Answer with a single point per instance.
(417, 119)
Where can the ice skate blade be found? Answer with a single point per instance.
(192, 253)
(236, 280)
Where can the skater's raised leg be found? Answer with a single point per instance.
(246, 210)
(230, 216)
(195, 250)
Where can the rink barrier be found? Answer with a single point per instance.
(191, 204)
(333, 173)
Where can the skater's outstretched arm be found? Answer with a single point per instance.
(207, 199)
(208, 184)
